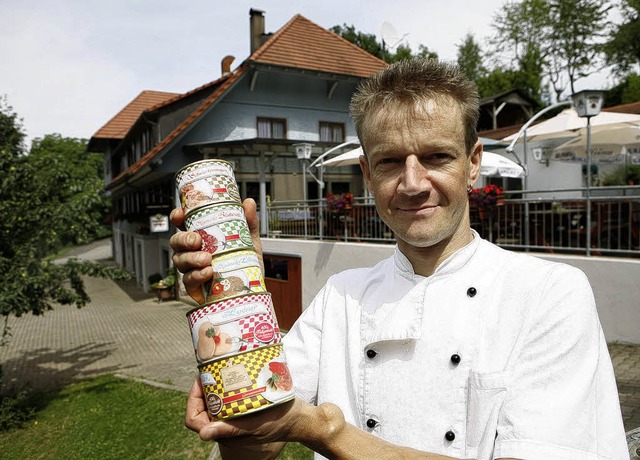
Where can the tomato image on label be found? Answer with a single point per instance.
(280, 377)
(228, 286)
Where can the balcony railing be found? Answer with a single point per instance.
(525, 221)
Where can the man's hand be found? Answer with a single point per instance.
(196, 264)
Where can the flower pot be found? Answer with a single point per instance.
(164, 293)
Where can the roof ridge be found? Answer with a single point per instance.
(270, 41)
(274, 38)
(182, 126)
(129, 105)
(180, 96)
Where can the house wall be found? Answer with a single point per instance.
(614, 281)
(301, 100)
(540, 176)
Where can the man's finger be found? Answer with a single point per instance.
(196, 417)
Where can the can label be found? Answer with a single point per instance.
(206, 182)
(223, 228)
(234, 274)
(233, 326)
(246, 382)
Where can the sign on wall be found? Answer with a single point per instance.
(159, 223)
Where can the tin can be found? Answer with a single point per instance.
(206, 182)
(246, 382)
(233, 326)
(234, 274)
(223, 228)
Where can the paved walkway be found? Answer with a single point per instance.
(126, 331)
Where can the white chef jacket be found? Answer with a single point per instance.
(497, 354)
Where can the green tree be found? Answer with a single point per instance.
(367, 42)
(470, 58)
(623, 48)
(49, 198)
(561, 38)
(370, 44)
(579, 29)
(625, 92)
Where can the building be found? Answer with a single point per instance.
(294, 88)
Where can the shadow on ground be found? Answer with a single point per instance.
(135, 292)
(47, 369)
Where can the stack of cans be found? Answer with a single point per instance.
(235, 332)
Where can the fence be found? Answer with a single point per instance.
(526, 220)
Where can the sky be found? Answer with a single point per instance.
(68, 66)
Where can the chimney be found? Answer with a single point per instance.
(226, 64)
(256, 28)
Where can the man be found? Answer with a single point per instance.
(452, 347)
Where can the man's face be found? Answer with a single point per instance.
(418, 171)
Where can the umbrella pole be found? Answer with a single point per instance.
(588, 238)
(525, 182)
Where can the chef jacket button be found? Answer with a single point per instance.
(450, 435)
(455, 358)
(371, 354)
(371, 423)
(471, 292)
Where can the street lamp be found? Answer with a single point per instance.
(303, 153)
(588, 103)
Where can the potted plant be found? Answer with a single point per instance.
(340, 204)
(486, 197)
(164, 287)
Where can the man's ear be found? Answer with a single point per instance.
(475, 160)
(366, 172)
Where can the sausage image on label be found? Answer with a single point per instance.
(212, 342)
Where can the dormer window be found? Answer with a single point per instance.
(272, 128)
(331, 132)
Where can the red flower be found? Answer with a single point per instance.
(485, 196)
(339, 203)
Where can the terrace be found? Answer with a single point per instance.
(548, 221)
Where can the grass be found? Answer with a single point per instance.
(111, 418)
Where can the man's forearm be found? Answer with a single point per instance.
(254, 452)
(326, 432)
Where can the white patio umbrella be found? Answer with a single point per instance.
(493, 164)
(609, 144)
(345, 159)
(567, 122)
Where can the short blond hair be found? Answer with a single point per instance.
(412, 83)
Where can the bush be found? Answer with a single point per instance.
(14, 409)
(623, 175)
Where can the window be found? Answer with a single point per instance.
(252, 190)
(272, 128)
(331, 132)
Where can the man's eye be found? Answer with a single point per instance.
(388, 161)
(439, 157)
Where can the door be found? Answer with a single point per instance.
(283, 277)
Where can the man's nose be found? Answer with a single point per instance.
(414, 179)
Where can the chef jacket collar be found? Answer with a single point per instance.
(403, 321)
(451, 264)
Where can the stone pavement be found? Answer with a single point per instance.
(128, 332)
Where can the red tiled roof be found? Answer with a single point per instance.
(500, 133)
(225, 83)
(121, 123)
(632, 107)
(303, 44)
(300, 44)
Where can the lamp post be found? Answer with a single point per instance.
(303, 153)
(588, 103)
